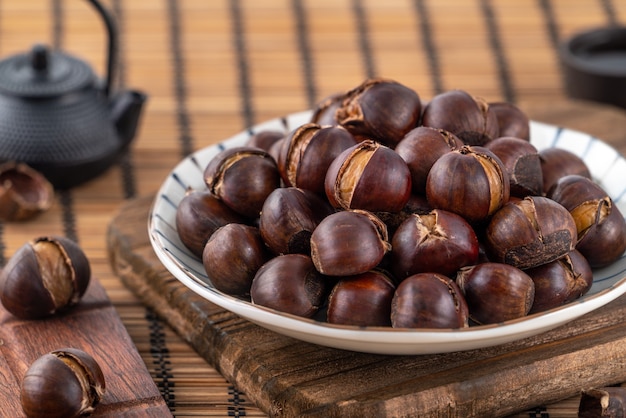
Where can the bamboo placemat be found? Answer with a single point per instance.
(213, 68)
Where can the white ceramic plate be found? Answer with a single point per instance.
(607, 166)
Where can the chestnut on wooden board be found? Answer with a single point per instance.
(65, 383)
(45, 276)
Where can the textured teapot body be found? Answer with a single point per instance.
(59, 118)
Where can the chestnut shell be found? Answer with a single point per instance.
(361, 300)
(45, 276)
(529, 232)
(289, 283)
(429, 300)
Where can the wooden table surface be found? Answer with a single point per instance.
(213, 68)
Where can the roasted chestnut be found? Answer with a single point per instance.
(264, 139)
(560, 281)
(242, 177)
(469, 118)
(232, 257)
(559, 162)
(496, 292)
(45, 276)
(368, 176)
(440, 242)
(65, 383)
(380, 109)
(420, 148)
(361, 300)
(601, 233)
(24, 192)
(471, 182)
(348, 243)
(308, 151)
(288, 218)
(529, 232)
(512, 121)
(289, 283)
(198, 215)
(428, 300)
(324, 112)
(522, 163)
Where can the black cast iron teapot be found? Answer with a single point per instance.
(59, 118)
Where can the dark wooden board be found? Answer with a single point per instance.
(286, 377)
(94, 327)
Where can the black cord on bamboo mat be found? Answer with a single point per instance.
(360, 16)
(245, 92)
(423, 17)
(180, 87)
(302, 32)
(506, 83)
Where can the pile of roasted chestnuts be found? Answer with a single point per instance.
(384, 210)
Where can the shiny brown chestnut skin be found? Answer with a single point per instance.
(198, 215)
(512, 121)
(289, 283)
(471, 182)
(242, 177)
(496, 292)
(439, 242)
(601, 234)
(324, 112)
(361, 300)
(65, 383)
(469, 118)
(288, 218)
(24, 192)
(264, 139)
(429, 300)
(232, 257)
(420, 148)
(529, 232)
(380, 109)
(308, 151)
(559, 162)
(348, 243)
(368, 176)
(560, 281)
(522, 163)
(45, 276)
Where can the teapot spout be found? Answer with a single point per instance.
(126, 110)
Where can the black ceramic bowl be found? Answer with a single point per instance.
(594, 65)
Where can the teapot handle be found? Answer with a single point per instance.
(112, 44)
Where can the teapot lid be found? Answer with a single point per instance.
(43, 73)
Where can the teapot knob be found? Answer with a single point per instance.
(39, 58)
